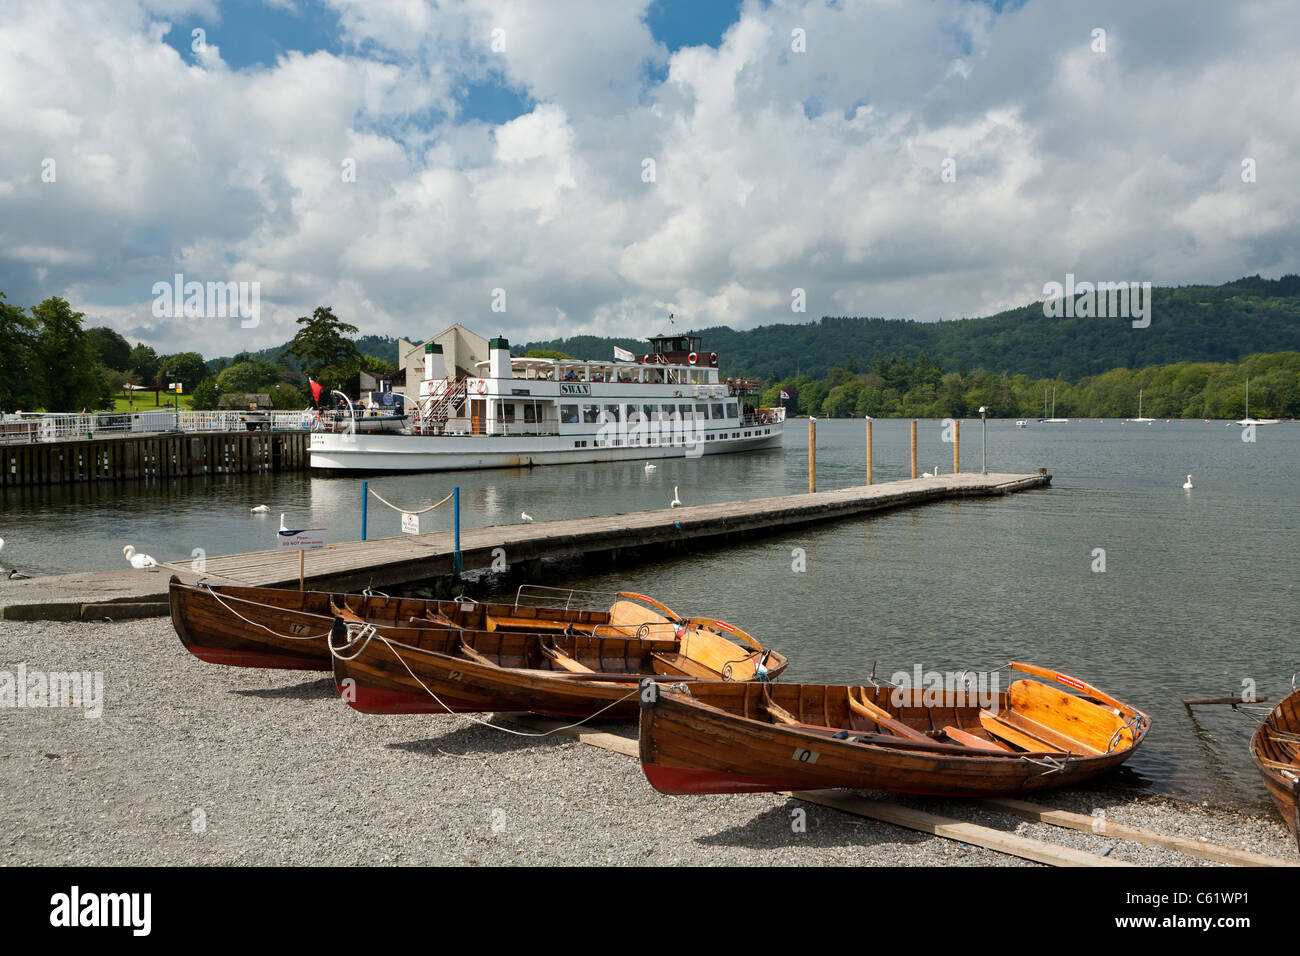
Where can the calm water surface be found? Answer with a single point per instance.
(1197, 594)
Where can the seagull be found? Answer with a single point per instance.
(259, 510)
(1188, 483)
(140, 562)
(650, 467)
(677, 501)
(525, 517)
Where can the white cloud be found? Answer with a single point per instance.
(773, 169)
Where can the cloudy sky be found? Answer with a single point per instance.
(605, 162)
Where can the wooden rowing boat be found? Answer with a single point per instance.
(288, 629)
(741, 738)
(1275, 748)
(410, 669)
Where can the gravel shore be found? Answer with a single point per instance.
(192, 763)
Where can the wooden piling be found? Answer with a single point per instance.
(956, 447)
(812, 455)
(869, 451)
(913, 447)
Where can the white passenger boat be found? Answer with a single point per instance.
(666, 403)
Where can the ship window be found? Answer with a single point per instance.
(506, 411)
(569, 414)
(530, 412)
(611, 412)
(731, 409)
(701, 413)
(685, 412)
(590, 414)
(650, 412)
(718, 412)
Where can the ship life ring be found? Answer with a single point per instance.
(481, 387)
(692, 358)
(316, 424)
(713, 359)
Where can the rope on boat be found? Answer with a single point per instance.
(287, 637)
(373, 634)
(1053, 764)
(404, 510)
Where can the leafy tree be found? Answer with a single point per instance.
(143, 360)
(547, 353)
(22, 378)
(322, 341)
(205, 395)
(72, 379)
(114, 351)
(254, 376)
(188, 368)
(286, 397)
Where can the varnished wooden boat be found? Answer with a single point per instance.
(289, 629)
(741, 738)
(409, 669)
(1275, 748)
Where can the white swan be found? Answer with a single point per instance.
(282, 527)
(650, 467)
(935, 474)
(525, 517)
(140, 562)
(677, 501)
(259, 510)
(1188, 483)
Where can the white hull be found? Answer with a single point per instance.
(372, 453)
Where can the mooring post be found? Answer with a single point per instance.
(812, 455)
(456, 557)
(302, 570)
(365, 499)
(913, 447)
(956, 446)
(869, 451)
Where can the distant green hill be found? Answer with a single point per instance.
(1188, 324)
(380, 346)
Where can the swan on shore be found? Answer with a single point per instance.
(141, 562)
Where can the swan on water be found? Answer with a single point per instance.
(139, 561)
(525, 517)
(1188, 483)
(677, 501)
(282, 527)
(14, 575)
(934, 474)
(650, 467)
(259, 510)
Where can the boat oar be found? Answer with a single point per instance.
(869, 710)
(1234, 701)
(663, 609)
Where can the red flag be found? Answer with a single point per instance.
(316, 389)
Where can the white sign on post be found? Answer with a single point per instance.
(310, 539)
(410, 524)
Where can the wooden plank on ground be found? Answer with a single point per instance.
(1122, 831)
(972, 833)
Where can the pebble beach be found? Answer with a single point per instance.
(196, 764)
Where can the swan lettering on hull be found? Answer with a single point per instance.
(508, 410)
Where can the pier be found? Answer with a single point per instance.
(140, 456)
(389, 562)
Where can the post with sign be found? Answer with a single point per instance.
(310, 539)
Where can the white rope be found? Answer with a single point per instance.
(403, 510)
(287, 637)
(486, 723)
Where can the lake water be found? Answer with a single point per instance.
(1196, 596)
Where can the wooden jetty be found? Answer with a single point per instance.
(389, 562)
(148, 456)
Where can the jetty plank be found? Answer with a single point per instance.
(353, 565)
